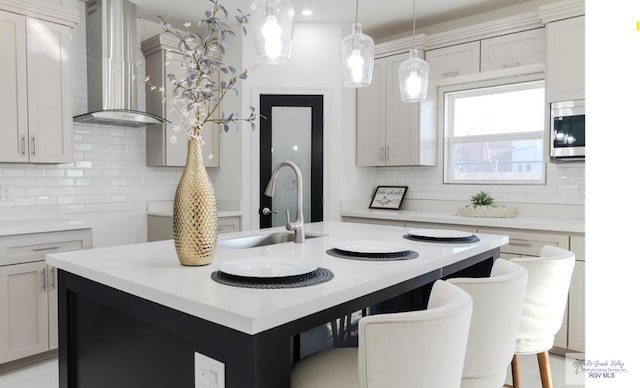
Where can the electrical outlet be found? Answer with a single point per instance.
(209, 372)
(5, 193)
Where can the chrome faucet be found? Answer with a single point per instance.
(298, 225)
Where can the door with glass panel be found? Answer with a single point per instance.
(291, 130)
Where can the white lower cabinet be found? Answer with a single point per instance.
(28, 291)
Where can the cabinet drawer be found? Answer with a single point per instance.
(33, 247)
(228, 224)
(519, 49)
(528, 243)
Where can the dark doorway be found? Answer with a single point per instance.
(291, 128)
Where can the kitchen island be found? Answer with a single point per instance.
(132, 316)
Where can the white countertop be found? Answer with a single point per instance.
(40, 225)
(152, 271)
(556, 224)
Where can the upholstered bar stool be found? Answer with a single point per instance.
(543, 309)
(497, 307)
(413, 349)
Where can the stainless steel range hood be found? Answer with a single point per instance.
(112, 50)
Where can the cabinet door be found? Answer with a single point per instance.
(13, 88)
(370, 126)
(519, 49)
(576, 338)
(49, 74)
(565, 60)
(23, 310)
(52, 284)
(402, 121)
(454, 60)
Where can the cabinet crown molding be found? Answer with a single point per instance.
(402, 45)
(42, 10)
(525, 21)
(561, 10)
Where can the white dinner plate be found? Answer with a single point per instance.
(440, 233)
(264, 267)
(370, 246)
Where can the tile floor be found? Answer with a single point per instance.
(44, 374)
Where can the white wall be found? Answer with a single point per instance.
(314, 68)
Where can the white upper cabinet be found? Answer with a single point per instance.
(454, 60)
(162, 58)
(49, 91)
(370, 147)
(565, 60)
(518, 49)
(391, 132)
(35, 91)
(13, 88)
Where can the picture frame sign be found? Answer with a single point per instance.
(388, 197)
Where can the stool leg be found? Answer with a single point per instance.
(545, 369)
(515, 371)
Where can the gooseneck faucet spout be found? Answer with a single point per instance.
(298, 225)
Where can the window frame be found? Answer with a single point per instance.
(448, 139)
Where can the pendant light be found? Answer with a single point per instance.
(357, 57)
(414, 72)
(271, 23)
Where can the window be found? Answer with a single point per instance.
(495, 134)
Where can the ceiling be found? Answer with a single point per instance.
(378, 17)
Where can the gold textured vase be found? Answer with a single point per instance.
(195, 213)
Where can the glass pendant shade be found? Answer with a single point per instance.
(414, 78)
(357, 58)
(271, 23)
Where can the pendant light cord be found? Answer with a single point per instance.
(413, 42)
(356, 11)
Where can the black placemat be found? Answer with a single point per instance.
(404, 255)
(447, 240)
(320, 275)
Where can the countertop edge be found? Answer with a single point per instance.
(527, 223)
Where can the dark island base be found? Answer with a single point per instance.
(109, 338)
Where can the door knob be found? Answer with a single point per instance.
(266, 211)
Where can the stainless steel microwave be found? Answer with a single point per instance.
(567, 130)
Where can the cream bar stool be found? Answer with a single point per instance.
(497, 307)
(543, 309)
(413, 349)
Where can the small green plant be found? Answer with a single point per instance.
(482, 199)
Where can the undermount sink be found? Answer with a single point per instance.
(262, 240)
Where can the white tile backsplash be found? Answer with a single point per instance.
(565, 185)
(109, 171)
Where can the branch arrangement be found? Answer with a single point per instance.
(197, 98)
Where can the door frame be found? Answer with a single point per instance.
(316, 103)
(252, 158)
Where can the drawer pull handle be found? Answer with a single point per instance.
(53, 278)
(450, 73)
(509, 65)
(522, 243)
(41, 249)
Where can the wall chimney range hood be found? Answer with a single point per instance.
(112, 49)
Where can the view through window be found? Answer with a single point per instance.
(495, 134)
